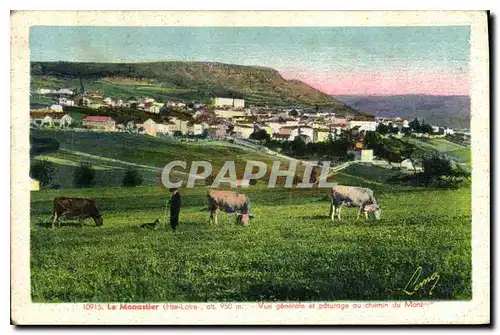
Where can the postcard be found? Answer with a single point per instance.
(250, 168)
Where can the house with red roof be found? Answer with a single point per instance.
(105, 123)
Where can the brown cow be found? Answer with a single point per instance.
(230, 202)
(81, 208)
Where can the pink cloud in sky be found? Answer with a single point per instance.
(385, 83)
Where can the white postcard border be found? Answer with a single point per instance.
(472, 312)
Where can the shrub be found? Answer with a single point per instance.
(43, 145)
(449, 182)
(84, 175)
(439, 172)
(435, 166)
(43, 171)
(260, 135)
(132, 178)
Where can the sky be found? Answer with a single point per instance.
(336, 60)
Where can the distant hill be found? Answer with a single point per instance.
(183, 80)
(452, 111)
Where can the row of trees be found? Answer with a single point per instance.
(415, 126)
(420, 127)
(337, 148)
(83, 176)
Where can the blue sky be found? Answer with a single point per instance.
(318, 56)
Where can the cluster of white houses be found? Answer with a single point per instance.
(225, 117)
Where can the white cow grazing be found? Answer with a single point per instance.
(230, 202)
(352, 196)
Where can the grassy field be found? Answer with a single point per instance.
(112, 153)
(291, 250)
(456, 151)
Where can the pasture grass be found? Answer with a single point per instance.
(456, 151)
(111, 153)
(291, 251)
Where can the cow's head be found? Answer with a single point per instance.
(243, 219)
(375, 209)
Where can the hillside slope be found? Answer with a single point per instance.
(184, 80)
(112, 153)
(452, 111)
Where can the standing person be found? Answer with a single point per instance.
(175, 208)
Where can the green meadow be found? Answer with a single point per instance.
(291, 251)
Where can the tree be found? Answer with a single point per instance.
(426, 128)
(414, 125)
(393, 129)
(382, 129)
(436, 166)
(372, 139)
(406, 131)
(298, 146)
(132, 178)
(260, 135)
(84, 175)
(43, 171)
(411, 153)
(339, 147)
(43, 145)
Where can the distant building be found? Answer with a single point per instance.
(307, 132)
(218, 131)
(322, 134)
(229, 113)
(44, 91)
(56, 108)
(180, 125)
(152, 108)
(198, 129)
(150, 127)
(366, 155)
(275, 124)
(366, 125)
(228, 102)
(284, 133)
(65, 102)
(165, 128)
(65, 91)
(50, 119)
(448, 131)
(95, 95)
(99, 122)
(243, 130)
